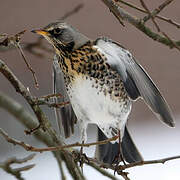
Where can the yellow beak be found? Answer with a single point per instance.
(41, 32)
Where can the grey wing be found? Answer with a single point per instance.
(107, 153)
(65, 116)
(136, 81)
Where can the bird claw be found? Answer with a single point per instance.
(119, 158)
(83, 158)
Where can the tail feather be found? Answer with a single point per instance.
(107, 152)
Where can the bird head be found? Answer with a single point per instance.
(62, 36)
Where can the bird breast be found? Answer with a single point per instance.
(93, 104)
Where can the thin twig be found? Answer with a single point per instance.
(102, 171)
(157, 16)
(28, 65)
(33, 130)
(157, 161)
(34, 149)
(61, 168)
(54, 105)
(150, 15)
(15, 41)
(34, 46)
(15, 108)
(6, 166)
(30, 122)
(25, 118)
(120, 12)
(73, 11)
(51, 96)
(3, 35)
(157, 10)
(177, 47)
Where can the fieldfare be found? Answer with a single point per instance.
(101, 79)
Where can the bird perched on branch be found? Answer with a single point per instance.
(101, 79)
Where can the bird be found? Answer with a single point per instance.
(101, 79)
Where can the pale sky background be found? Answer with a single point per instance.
(154, 139)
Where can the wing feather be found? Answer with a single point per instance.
(136, 81)
(65, 116)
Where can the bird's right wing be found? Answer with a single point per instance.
(65, 116)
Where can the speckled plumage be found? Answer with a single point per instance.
(101, 79)
(86, 74)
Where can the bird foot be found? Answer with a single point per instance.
(119, 158)
(83, 158)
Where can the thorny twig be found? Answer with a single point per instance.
(6, 166)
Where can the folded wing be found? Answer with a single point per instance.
(65, 116)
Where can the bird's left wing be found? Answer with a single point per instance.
(136, 81)
(65, 116)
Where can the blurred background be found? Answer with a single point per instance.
(154, 139)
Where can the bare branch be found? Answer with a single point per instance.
(51, 96)
(157, 16)
(157, 10)
(54, 105)
(37, 45)
(156, 25)
(127, 166)
(73, 11)
(150, 15)
(14, 40)
(25, 93)
(102, 171)
(43, 121)
(6, 166)
(121, 13)
(28, 65)
(119, 169)
(11, 40)
(177, 47)
(34, 149)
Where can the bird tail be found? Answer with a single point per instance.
(108, 152)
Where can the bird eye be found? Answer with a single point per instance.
(57, 31)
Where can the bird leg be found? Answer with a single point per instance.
(119, 156)
(83, 138)
(82, 157)
(120, 153)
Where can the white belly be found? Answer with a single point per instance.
(92, 106)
